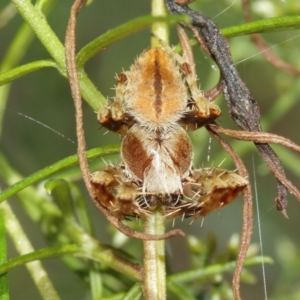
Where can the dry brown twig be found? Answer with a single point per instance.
(188, 54)
(259, 137)
(247, 194)
(256, 137)
(247, 213)
(265, 49)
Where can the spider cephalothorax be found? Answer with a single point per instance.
(156, 102)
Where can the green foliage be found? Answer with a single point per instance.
(52, 198)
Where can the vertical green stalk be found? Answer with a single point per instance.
(23, 246)
(154, 259)
(15, 52)
(154, 281)
(12, 57)
(159, 29)
(4, 293)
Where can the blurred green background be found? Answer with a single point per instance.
(45, 97)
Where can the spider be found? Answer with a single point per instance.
(157, 101)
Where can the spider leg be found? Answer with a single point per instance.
(113, 117)
(115, 192)
(212, 189)
(199, 110)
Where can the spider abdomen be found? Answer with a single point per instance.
(160, 159)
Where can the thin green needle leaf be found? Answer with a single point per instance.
(266, 25)
(41, 254)
(24, 70)
(7, 14)
(23, 246)
(37, 21)
(117, 296)
(50, 170)
(81, 210)
(135, 293)
(180, 292)
(61, 192)
(121, 32)
(12, 57)
(4, 291)
(70, 199)
(202, 274)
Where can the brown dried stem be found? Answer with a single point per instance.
(81, 150)
(262, 138)
(247, 215)
(213, 93)
(265, 49)
(256, 136)
(187, 51)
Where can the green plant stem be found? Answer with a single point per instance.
(7, 14)
(17, 49)
(4, 292)
(261, 26)
(120, 32)
(23, 70)
(68, 162)
(159, 29)
(42, 254)
(208, 272)
(23, 246)
(154, 284)
(84, 251)
(68, 198)
(13, 56)
(37, 21)
(180, 292)
(135, 293)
